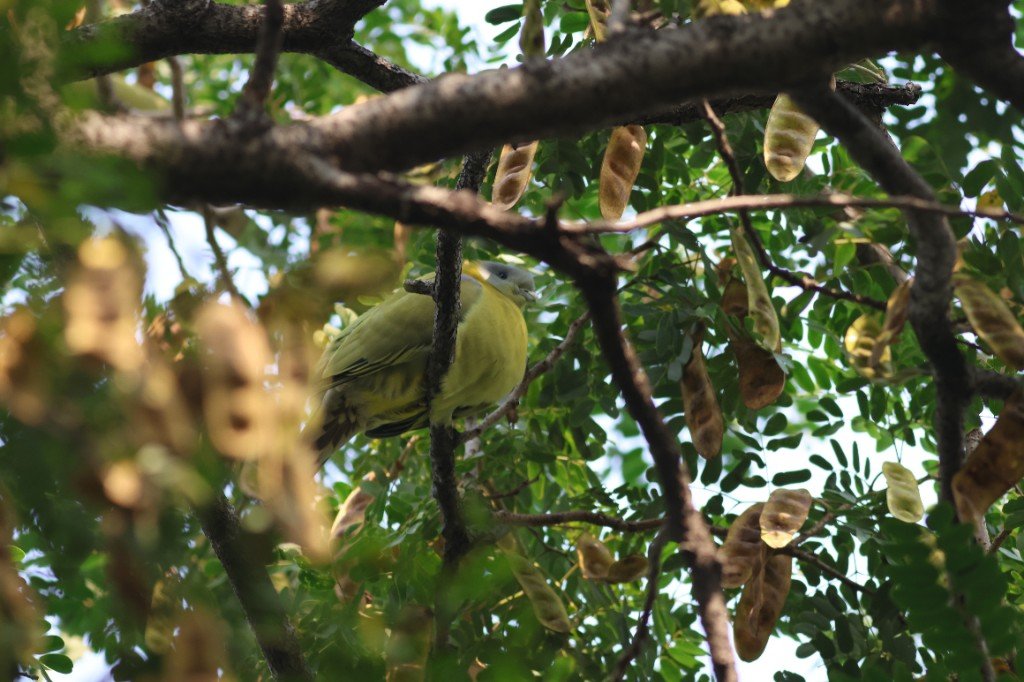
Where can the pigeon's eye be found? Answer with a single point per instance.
(503, 275)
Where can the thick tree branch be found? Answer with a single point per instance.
(251, 105)
(978, 41)
(627, 76)
(165, 29)
(936, 252)
(255, 592)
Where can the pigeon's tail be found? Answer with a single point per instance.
(334, 424)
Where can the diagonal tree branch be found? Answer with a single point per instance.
(683, 521)
(254, 95)
(255, 592)
(936, 253)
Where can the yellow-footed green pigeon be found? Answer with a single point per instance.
(374, 372)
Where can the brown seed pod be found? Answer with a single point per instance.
(515, 166)
(994, 466)
(993, 321)
(627, 569)
(742, 549)
(902, 496)
(761, 378)
(703, 415)
(594, 557)
(759, 301)
(734, 298)
(788, 139)
(237, 408)
(784, 514)
(621, 165)
(547, 605)
(761, 605)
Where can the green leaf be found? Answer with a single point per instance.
(57, 662)
(504, 14)
(791, 477)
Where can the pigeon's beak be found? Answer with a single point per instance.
(529, 294)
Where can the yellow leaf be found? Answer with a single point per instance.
(531, 39)
(897, 308)
(547, 605)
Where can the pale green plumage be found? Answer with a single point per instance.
(374, 372)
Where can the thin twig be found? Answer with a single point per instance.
(508, 493)
(164, 223)
(251, 104)
(768, 202)
(178, 96)
(618, 16)
(824, 567)
(642, 623)
(578, 516)
(219, 259)
(998, 540)
(531, 375)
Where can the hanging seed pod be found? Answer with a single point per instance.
(788, 139)
(703, 415)
(742, 549)
(761, 378)
(784, 514)
(547, 605)
(594, 557)
(515, 166)
(619, 169)
(995, 466)
(861, 340)
(902, 496)
(237, 408)
(627, 569)
(734, 298)
(759, 302)
(993, 321)
(897, 309)
(761, 605)
(531, 39)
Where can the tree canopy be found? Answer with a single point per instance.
(756, 344)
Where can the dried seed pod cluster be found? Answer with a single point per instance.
(597, 562)
(700, 404)
(742, 548)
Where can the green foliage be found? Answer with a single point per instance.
(921, 598)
